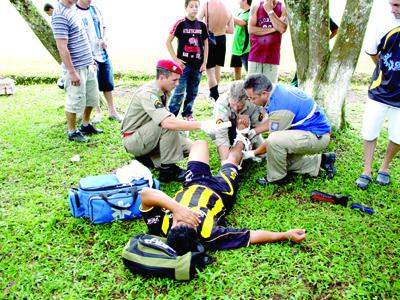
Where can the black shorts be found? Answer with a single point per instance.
(216, 53)
(238, 61)
(224, 184)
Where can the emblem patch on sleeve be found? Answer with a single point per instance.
(274, 126)
(260, 116)
(158, 104)
(219, 121)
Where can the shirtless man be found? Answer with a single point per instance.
(220, 22)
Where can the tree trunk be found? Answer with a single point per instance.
(322, 73)
(38, 25)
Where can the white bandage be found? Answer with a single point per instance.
(241, 138)
(248, 154)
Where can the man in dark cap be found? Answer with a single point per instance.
(151, 132)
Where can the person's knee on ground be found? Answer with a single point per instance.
(182, 239)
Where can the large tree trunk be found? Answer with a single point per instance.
(38, 24)
(322, 73)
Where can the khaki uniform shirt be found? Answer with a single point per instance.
(223, 112)
(147, 104)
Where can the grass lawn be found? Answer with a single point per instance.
(45, 253)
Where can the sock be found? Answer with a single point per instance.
(214, 92)
(84, 124)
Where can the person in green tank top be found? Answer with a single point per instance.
(241, 40)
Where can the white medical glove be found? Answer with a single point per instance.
(252, 133)
(243, 131)
(248, 154)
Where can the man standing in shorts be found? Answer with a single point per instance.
(241, 40)
(95, 28)
(383, 95)
(80, 82)
(220, 22)
(268, 21)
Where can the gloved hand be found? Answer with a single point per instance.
(241, 138)
(211, 126)
(248, 154)
(252, 133)
(243, 131)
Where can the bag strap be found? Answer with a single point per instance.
(96, 21)
(134, 196)
(77, 201)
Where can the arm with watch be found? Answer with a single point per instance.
(279, 23)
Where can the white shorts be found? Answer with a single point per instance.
(374, 115)
(84, 95)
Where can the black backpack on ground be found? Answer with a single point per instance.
(149, 255)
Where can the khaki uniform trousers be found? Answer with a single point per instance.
(287, 152)
(163, 146)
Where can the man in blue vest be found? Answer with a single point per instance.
(382, 44)
(298, 129)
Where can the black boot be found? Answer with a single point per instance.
(145, 160)
(171, 172)
(328, 164)
(264, 181)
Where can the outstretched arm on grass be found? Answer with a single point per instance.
(263, 237)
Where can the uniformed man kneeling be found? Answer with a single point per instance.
(151, 132)
(236, 108)
(298, 131)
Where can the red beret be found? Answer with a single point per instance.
(169, 65)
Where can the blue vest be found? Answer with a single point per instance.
(300, 104)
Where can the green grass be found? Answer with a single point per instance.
(45, 253)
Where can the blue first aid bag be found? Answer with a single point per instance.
(103, 199)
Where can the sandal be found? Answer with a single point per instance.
(383, 178)
(363, 181)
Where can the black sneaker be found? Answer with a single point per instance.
(145, 160)
(77, 136)
(328, 164)
(171, 172)
(90, 129)
(264, 181)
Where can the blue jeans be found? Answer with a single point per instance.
(188, 82)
